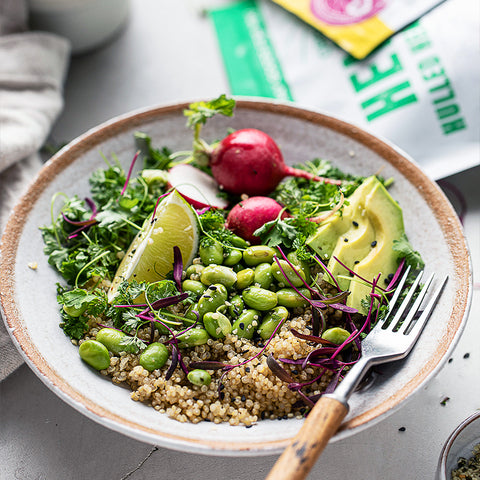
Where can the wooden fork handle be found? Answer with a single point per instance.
(302, 452)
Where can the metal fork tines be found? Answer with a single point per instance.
(392, 338)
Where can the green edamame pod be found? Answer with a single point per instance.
(258, 254)
(238, 242)
(111, 338)
(232, 257)
(288, 297)
(212, 253)
(95, 354)
(244, 278)
(336, 335)
(296, 279)
(263, 275)
(215, 296)
(217, 324)
(245, 325)
(199, 377)
(259, 298)
(271, 321)
(194, 271)
(154, 356)
(193, 337)
(197, 288)
(236, 306)
(218, 274)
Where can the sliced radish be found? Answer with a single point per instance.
(196, 187)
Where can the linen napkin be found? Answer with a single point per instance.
(32, 70)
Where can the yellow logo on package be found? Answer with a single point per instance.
(355, 25)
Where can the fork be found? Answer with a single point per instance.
(390, 339)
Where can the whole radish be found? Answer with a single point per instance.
(250, 214)
(249, 161)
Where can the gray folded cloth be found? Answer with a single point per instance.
(33, 66)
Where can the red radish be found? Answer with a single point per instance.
(198, 188)
(248, 215)
(249, 161)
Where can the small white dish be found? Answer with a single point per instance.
(459, 444)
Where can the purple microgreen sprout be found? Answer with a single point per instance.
(278, 370)
(129, 174)
(177, 267)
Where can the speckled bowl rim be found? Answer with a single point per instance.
(442, 463)
(432, 194)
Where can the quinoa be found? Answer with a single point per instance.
(244, 395)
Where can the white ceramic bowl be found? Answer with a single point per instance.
(28, 297)
(459, 444)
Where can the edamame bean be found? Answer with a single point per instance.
(236, 306)
(258, 254)
(244, 278)
(263, 275)
(95, 354)
(302, 264)
(238, 242)
(271, 321)
(259, 298)
(295, 280)
(288, 297)
(154, 356)
(218, 274)
(199, 377)
(190, 317)
(335, 335)
(214, 297)
(211, 253)
(217, 324)
(194, 271)
(197, 288)
(112, 338)
(74, 311)
(232, 257)
(193, 337)
(246, 323)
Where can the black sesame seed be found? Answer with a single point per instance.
(356, 261)
(285, 417)
(221, 387)
(374, 243)
(248, 426)
(295, 372)
(401, 429)
(243, 398)
(279, 417)
(222, 395)
(345, 239)
(241, 325)
(212, 287)
(466, 355)
(355, 224)
(450, 360)
(247, 369)
(262, 415)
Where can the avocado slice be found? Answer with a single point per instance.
(325, 239)
(352, 246)
(370, 223)
(387, 219)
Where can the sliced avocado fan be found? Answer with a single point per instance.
(362, 239)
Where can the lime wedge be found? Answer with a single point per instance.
(150, 256)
